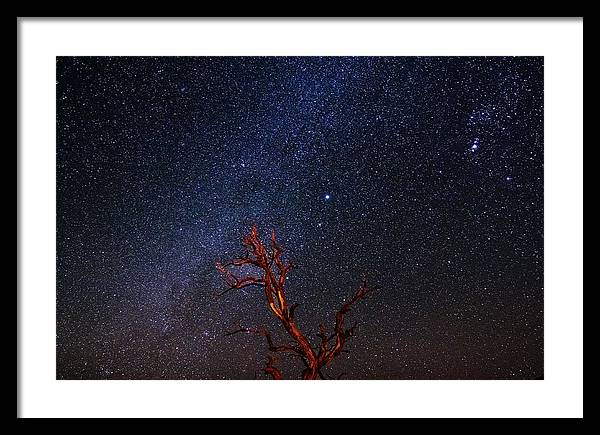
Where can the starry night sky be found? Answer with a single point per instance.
(422, 174)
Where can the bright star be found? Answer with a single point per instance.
(327, 196)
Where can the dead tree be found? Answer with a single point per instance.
(270, 274)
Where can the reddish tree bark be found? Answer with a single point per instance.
(270, 274)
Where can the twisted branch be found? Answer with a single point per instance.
(272, 275)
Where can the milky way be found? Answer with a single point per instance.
(423, 175)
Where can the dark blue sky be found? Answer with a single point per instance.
(424, 175)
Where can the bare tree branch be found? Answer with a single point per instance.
(265, 333)
(270, 369)
(271, 275)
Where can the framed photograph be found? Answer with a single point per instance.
(204, 209)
